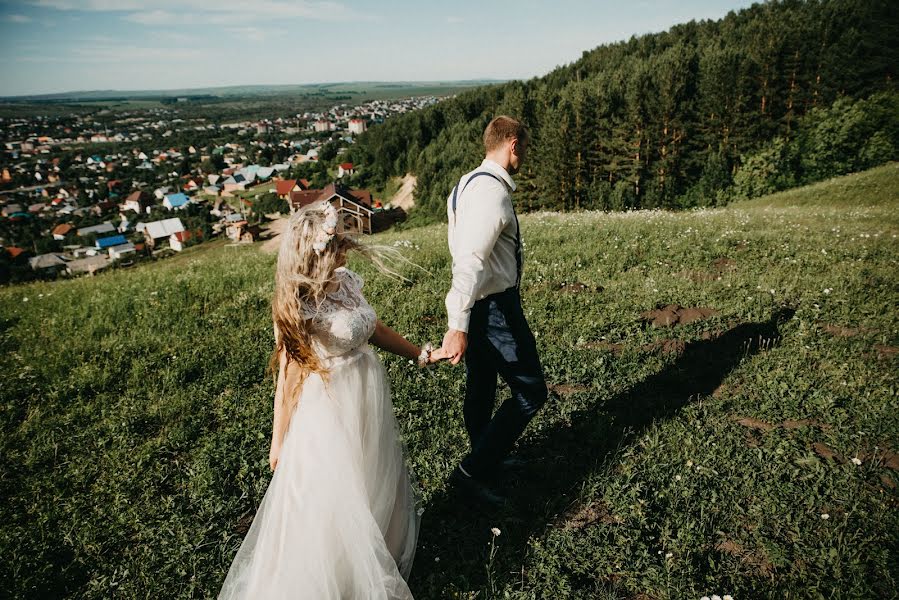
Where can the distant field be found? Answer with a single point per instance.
(236, 102)
(752, 452)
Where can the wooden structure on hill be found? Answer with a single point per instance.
(353, 206)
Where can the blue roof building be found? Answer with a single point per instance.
(112, 240)
(175, 200)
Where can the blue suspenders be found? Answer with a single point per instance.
(456, 193)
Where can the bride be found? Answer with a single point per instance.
(338, 519)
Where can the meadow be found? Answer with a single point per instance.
(723, 418)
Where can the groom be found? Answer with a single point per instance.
(486, 322)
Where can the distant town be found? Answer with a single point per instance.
(80, 193)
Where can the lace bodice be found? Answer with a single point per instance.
(344, 321)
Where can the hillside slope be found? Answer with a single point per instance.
(752, 451)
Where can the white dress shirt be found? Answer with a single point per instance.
(482, 241)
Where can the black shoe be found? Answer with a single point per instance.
(476, 490)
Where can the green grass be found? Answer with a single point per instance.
(670, 462)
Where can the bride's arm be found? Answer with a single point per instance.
(280, 421)
(387, 339)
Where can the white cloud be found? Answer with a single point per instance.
(18, 19)
(152, 17)
(454, 20)
(224, 10)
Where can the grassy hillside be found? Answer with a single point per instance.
(713, 456)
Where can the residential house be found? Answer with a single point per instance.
(356, 126)
(91, 264)
(354, 211)
(110, 241)
(105, 227)
(14, 252)
(117, 252)
(345, 169)
(178, 241)
(46, 261)
(299, 199)
(284, 187)
(241, 231)
(138, 201)
(11, 209)
(175, 201)
(157, 230)
(62, 230)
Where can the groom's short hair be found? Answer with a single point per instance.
(502, 129)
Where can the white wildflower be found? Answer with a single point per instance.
(716, 597)
(24, 299)
(728, 597)
(689, 463)
(856, 461)
(705, 598)
(825, 516)
(677, 477)
(495, 531)
(669, 554)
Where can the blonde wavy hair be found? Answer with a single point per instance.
(305, 277)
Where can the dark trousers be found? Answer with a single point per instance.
(500, 342)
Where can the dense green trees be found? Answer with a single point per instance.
(691, 116)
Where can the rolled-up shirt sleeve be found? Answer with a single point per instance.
(476, 230)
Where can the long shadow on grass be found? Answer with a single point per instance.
(454, 540)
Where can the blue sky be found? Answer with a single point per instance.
(51, 46)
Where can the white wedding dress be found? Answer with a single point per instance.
(339, 518)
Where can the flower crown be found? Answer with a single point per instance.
(328, 228)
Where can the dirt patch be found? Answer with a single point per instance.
(840, 331)
(564, 389)
(594, 512)
(699, 276)
(723, 264)
(827, 453)
(603, 345)
(754, 423)
(796, 424)
(886, 457)
(884, 351)
(274, 231)
(576, 287)
(403, 196)
(673, 314)
(755, 560)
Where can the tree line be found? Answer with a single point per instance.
(688, 117)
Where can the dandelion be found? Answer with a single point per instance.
(495, 531)
(856, 460)
(825, 516)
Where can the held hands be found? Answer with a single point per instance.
(453, 348)
(455, 343)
